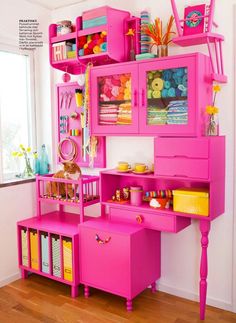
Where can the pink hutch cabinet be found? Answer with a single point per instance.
(143, 97)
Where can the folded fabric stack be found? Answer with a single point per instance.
(156, 116)
(177, 112)
(124, 114)
(108, 114)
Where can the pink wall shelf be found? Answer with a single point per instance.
(154, 89)
(117, 21)
(197, 37)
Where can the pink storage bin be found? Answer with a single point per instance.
(136, 195)
(95, 13)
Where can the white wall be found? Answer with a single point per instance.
(18, 202)
(181, 252)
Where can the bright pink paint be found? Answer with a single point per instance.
(103, 266)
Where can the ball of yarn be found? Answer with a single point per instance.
(171, 92)
(157, 84)
(156, 94)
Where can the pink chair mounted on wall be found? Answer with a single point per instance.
(213, 40)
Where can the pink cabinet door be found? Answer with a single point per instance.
(114, 100)
(105, 265)
(167, 96)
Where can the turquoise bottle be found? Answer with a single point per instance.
(44, 163)
(36, 163)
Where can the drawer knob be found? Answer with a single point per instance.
(100, 241)
(139, 219)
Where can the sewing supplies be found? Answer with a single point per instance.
(72, 154)
(92, 150)
(64, 124)
(74, 132)
(79, 97)
(136, 194)
(64, 27)
(74, 115)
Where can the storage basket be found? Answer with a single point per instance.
(56, 256)
(24, 248)
(34, 249)
(45, 253)
(67, 259)
(191, 200)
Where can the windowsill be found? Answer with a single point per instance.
(17, 181)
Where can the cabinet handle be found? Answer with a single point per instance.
(100, 241)
(135, 98)
(143, 98)
(139, 219)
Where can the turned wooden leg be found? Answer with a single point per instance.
(204, 228)
(24, 274)
(154, 289)
(129, 306)
(74, 291)
(86, 291)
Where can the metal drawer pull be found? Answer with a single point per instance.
(139, 219)
(100, 241)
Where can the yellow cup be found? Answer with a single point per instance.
(140, 168)
(123, 166)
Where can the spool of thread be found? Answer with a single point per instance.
(103, 47)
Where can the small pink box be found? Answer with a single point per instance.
(95, 13)
(59, 51)
(136, 195)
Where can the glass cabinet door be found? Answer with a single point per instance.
(114, 100)
(167, 105)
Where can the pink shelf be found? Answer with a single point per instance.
(98, 58)
(58, 39)
(69, 203)
(54, 222)
(41, 273)
(197, 39)
(92, 30)
(153, 176)
(146, 208)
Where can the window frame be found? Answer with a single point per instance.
(31, 105)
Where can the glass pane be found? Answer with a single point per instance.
(167, 96)
(14, 94)
(115, 99)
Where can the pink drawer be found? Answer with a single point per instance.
(182, 167)
(182, 147)
(169, 223)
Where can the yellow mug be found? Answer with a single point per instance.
(123, 166)
(140, 168)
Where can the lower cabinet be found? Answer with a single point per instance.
(122, 259)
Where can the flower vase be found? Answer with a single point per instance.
(28, 172)
(212, 125)
(163, 51)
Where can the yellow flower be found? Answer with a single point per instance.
(14, 154)
(35, 154)
(216, 88)
(28, 150)
(211, 109)
(21, 146)
(19, 154)
(130, 32)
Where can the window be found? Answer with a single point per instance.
(17, 113)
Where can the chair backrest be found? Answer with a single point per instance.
(195, 16)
